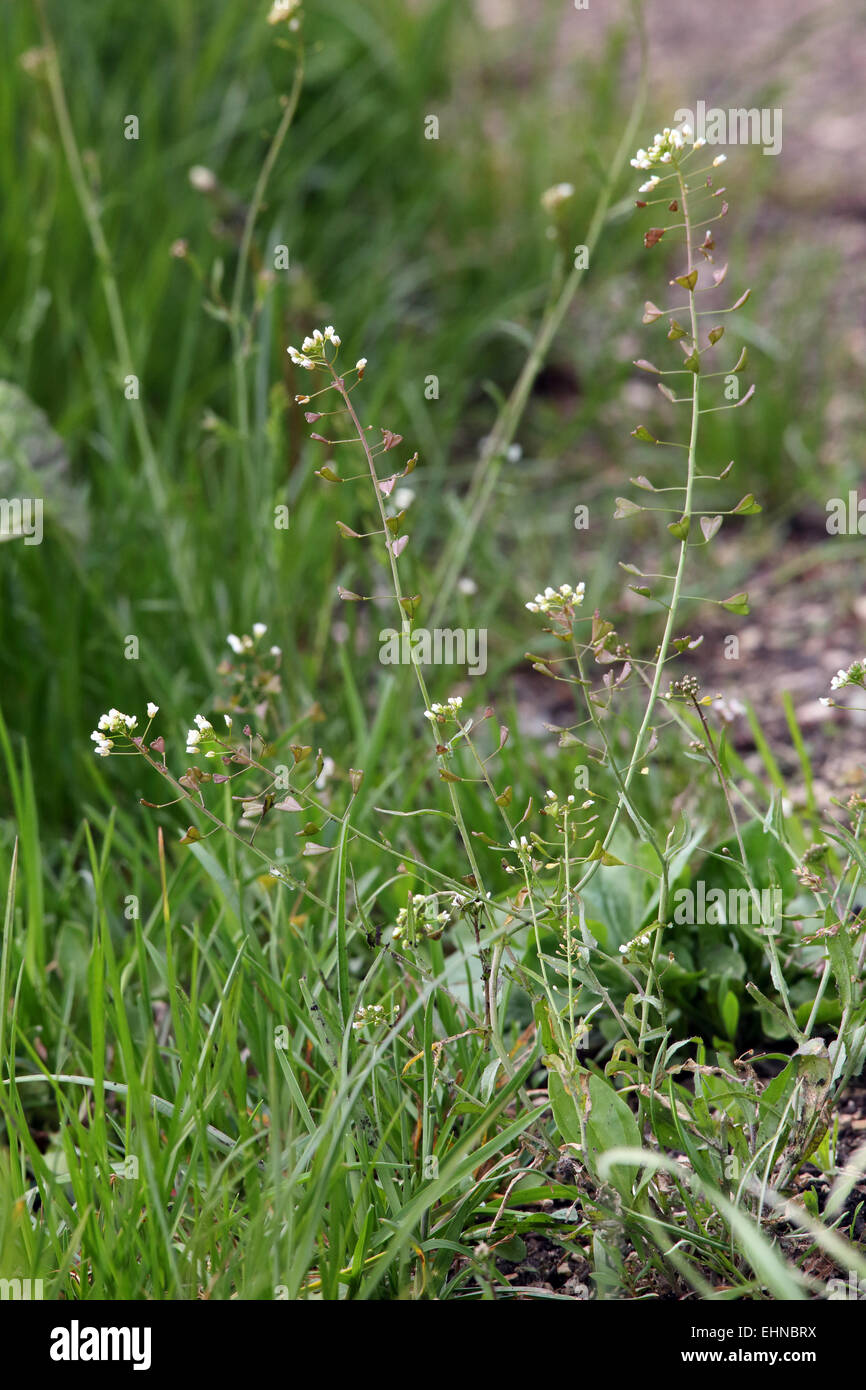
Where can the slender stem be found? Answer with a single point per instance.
(673, 608)
(340, 386)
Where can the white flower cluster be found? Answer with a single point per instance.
(284, 10)
(203, 733)
(553, 806)
(239, 645)
(426, 912)
(441, 713)
(557, 599)
(312, 353)
(663, 148)
(117, 723)
(373, 1015)
(524, 848)
(428, 917)
(630, 946)
(855, 675)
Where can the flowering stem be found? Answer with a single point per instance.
(643, 732)
(406, 625)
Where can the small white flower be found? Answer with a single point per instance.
(203, 180)
(276, 651)
(282, 9)
(259, 630)
(554, 197)
(700, 142)
(360, 364)
(152, 709)
(855, 675)
(719, 159)
(228, 719)
(235, 643)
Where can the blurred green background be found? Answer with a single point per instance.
(432, 257)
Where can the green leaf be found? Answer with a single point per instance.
(788, 1028)
(564, 1106)
(841, 952)
(610, 1124)
(730, 1011)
